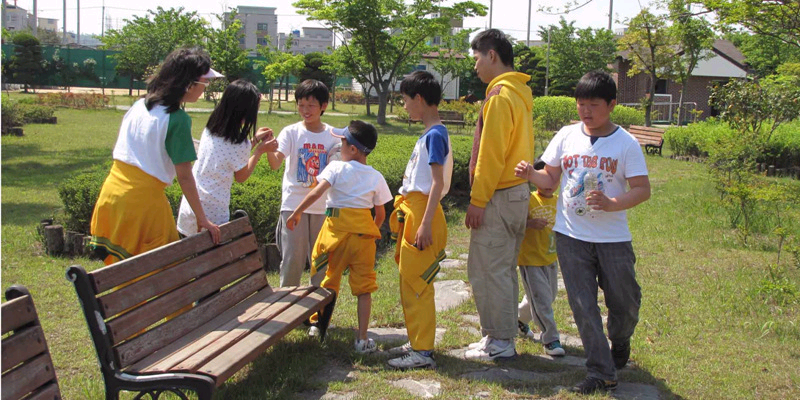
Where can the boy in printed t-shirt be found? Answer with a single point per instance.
(305, 146)
(418, 222)
(592, 236)
(538, 266)
(347, 238)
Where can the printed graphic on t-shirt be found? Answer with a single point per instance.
(578, 167)
(311, 159)
(412, 163)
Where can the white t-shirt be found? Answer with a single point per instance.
(613, 159)
(306, 155)
(433, 147)
(213, 171)
(354, 185)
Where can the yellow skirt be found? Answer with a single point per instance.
(417, 267)
(132, 214)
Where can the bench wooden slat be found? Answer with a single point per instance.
(17, 313)
(153, 260)
(155, 310)
(238, 330)
(649, 129)
(248, 349)
(120, 300)
(23, 345)
(47, 392)
(28, 377)
(181, 349)
(137, 348)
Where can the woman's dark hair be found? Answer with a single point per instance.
(178, 71)
(236, 115)
(494, 39)
(596, 85)
(312, 88)
(424, 84)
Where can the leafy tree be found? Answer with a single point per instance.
(529, 60)
(145, 41)
(384, 35)
(49, 38)
(695, 39)
(313, 69)
(450, 57)
(227, 56)
(779, 19)
(651, 49)
(26, 63)
(277, 65)
(764, 53)
(575, 51)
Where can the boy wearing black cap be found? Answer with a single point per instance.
(347, 238)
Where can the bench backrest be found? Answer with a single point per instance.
(647, 135)
(129, 305)
(27, 366)
(446, 115)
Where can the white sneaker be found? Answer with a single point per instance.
(399, 350)
(492, 351)
(412, 360)
(525, 331)
(313, 331)
(365, 346)
(479, 344)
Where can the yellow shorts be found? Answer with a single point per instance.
(357, 253)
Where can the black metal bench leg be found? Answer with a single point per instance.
(155, 385)
(325, 318)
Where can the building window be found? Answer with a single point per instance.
(262, 27)
(263, 41)
(420, 67)
(661, 86)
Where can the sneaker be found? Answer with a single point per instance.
(313, 331)
(365, 346)
(525, 331)
(413, 359)
(554, 349)
(479, 344)
(399, 350)
(621, 352)
(594, 385)
(493, 351)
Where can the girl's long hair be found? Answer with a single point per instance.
(178, 71)
(237, 113)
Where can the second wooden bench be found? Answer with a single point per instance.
(651, 138)
(153, 336)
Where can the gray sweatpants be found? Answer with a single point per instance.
(541, 288)
(492, 263)
(585, 266)
(296, 245)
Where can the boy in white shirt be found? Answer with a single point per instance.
(593, 241)
(418, 223)
(305, 146)
(347, 238)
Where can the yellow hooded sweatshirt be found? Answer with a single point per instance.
(504, 136)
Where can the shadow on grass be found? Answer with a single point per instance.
(23, 214)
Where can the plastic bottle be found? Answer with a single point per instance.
(589, 184)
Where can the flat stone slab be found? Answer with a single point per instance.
(335, 372)
(463, 256)
(322, 395)
(499, 374)
(450, 294)
(452, 263)
(397, 335)
(471, 318)
(637, 391)
(472, 330)
(571, 361)
(425, 388)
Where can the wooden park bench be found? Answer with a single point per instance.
(447, 117)
(27, 367)
(188, 315)
(651, 138)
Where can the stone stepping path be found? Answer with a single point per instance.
(397, 336)
(500, 374)
(424, 389)
(450, 294)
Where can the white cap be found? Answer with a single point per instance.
(211, 74)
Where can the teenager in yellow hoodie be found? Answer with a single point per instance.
(498, 200)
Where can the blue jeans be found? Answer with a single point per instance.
(585, 266)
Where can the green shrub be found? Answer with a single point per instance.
(73, 100)
(34, 113)
(552, 112)
(11, 115)
(627, 116)
(349, 97)
(468, 110)
(79, 195)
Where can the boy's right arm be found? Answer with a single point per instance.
(310, 198)
(275, 159)
(547, 177)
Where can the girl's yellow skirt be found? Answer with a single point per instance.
(132, 214)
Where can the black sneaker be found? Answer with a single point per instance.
(621, 352)
(594, 385)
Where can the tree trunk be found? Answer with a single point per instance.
(680, 104)
(366, 98)
(383, 100)
(130, 87)
(333, 94)
(280, 83)
(286, 92)
(271, 90)
(649, 105)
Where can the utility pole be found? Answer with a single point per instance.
(78, 37)
(528, 40)
(103, 22)
(610, 13)
(35, 20)
(547, 68)
(64, 25)
(491, 5)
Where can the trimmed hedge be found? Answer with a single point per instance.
(552, 112)
(260, 196)
(698, 139)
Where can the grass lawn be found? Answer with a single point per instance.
(705, 329)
